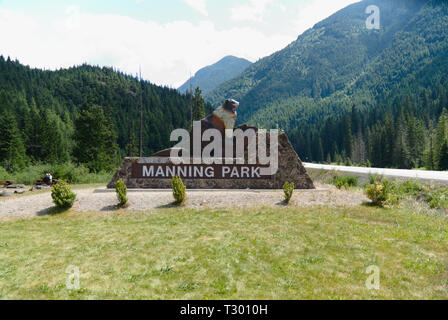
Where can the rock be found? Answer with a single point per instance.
(16, 186)
(290, 168)
(19, 191)
(5, 194)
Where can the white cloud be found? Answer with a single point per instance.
(317, 10)
(253, 11)
(167, 52)
(198, 5)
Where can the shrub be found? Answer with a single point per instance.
(438, 199)
(345, 181)
(68, 172)
(394, 192)
(121, 191)
(373, 178)
(288, 189)
(377, 193)
(178, 190)
(63, 196)
(383, 193)
(412, 188)
(4, 175)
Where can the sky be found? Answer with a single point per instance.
(169, 39)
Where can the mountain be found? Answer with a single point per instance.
(210, 77)
(341, 68)
(339, 58)
(32, 98)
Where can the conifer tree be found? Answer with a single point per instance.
(388, 141)
(443, 156)
(96, 139)
(348, 138)
(401, 151)
(440, 137)
(131, 147)
(32, 131)
(429, 155)
(359, 149)
(335, 151)
(320, 151)
(51, 145)
(12, 150)
(198, 105)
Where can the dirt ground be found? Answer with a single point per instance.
(99, 199)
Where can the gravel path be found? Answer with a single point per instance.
(35, 205)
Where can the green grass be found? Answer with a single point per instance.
(344, 182)
(282, 253)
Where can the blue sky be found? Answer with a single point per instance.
(160, 11)
(169, 39)
(156, 10)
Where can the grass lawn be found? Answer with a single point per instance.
(313, 253)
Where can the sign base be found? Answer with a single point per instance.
(156, 173)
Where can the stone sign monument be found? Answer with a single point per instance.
(222, 158)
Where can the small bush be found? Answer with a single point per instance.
(383, 193)
(4, 175)
(374, 178)
(377, 193)
(288, 189)
(121, 191)
(345, 181)
(63, 196)
(438, 199)
(68, 172)
(412, 188)
(178, 190)
(392, 192)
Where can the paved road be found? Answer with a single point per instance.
(437, 176)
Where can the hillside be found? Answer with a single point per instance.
(44, 104)
(212, 76)
(339, 66)
(337, 58)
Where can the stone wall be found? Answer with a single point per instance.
(290, 169)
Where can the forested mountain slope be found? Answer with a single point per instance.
(212, 76)
(43, 106)
(340, 66)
